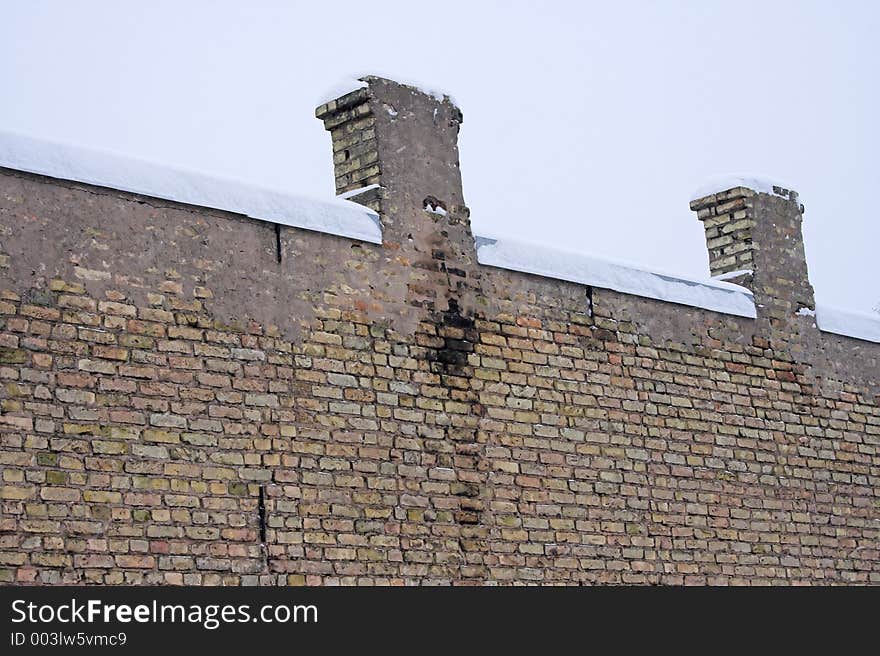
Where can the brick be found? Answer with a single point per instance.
(400, 414)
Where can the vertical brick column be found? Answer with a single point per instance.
(729, 223)
(352, 127)
(395, 149)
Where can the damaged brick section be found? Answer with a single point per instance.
(456, 340)
(178, 406)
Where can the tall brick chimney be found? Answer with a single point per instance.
(395, 149)
(754, 237)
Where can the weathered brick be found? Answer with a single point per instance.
(400, 414)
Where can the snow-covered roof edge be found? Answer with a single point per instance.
(107, 169)
(713, 295)
(860, 325)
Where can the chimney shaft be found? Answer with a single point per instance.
(395, 149)
(400, 138)
(755, 239)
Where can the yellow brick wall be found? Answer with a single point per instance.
(536, 440)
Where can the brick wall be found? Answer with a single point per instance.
(178, 406)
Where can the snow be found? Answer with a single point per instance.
(434, 209)
(106, 169)
(344, 87)
(358, 191)
(429, 90)
(714, 295)
(806, 312)
(861, 325)
(749, 181)
(349, 84)
(733, 274)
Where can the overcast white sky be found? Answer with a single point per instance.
(587, 124)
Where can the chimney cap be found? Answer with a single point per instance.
(353, 90)
(724, 188)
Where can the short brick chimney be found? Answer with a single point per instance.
(754, 237)
(395, 149)
(399, 137)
